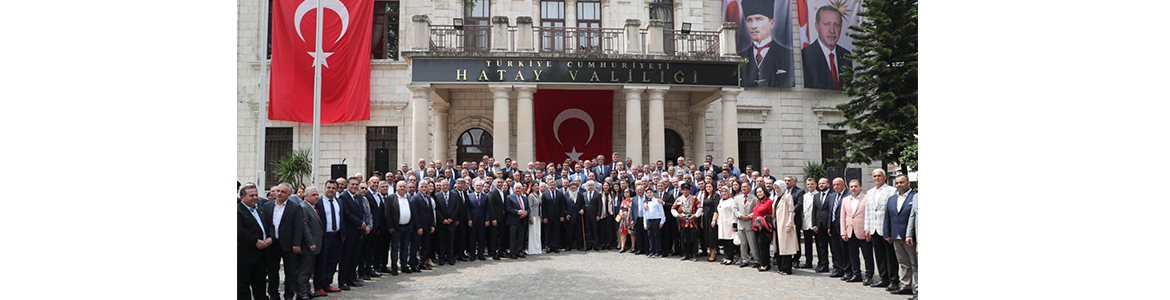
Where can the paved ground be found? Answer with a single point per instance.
(606, 274)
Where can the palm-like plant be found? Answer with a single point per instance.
(814, 170)
(294, 166)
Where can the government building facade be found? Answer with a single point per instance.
(459, 79)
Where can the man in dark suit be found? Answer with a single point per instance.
(310, 244)
(331, 211)
(898, 210)
(369, 267)
(517, 219)
(837, 245)
(496, 208)
(574, 208)
(821, 218)
(352, 240)
(422, 211)
(252, 243)
(382, 244)
(461, 228)
(592, 197)
(446, 207)
(398, 223)
(769, 63)
(477, 218)
(283, 218)
(552, 207)
(823, 60)
(798, 203)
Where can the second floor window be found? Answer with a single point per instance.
(589, 20)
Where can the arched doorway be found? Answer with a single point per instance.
(674, 146)
(473, 144)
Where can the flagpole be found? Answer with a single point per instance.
(317, 93)
(262, 116)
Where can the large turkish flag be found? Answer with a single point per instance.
(345, 73)
(573, 124)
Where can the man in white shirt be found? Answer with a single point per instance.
(875, 218)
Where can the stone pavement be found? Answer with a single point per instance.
(606, 274)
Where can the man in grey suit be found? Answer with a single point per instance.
(743, 211)
(314, 235)
(911, 233)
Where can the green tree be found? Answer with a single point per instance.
(293, 167)
(883, 106)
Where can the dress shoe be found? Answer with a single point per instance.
(881, 283)
(364, 276)
(343, 287)
(318, 293)
(356, 283)
(481, 257)
(847, 277)
(836, 274)
(393, 272)
(822, 270)
(383, 269)
(461, 258)
(332, 289)
(894, 286)
(523, 255)
(512, 256)
(765, 268)
(743, 265)
(868, 281)
(425, 267)
(407, 271)
(414, 270)
(442, 262)
(694, 259)
(495, 257)
(855, 278)
(375, 273)
(623, 251)
(903, 291)
(358, 280)
(684, 258)
(805, 266)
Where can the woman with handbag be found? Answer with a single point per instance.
(762, 224)
(724, 220)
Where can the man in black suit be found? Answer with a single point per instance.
(477, 218)
(422, 211)
(310, 244)
(798, 203)
(824, 60)
(283, 218)
(446, 207)
(769, 63)
(252, 243)
(821, 218)
(592, 197)
(574, 207)
(496, 213)
(352, 240)
(840, 260)
(670, 233)
(330, 209)
(460, 195)
(382, 244)
(398, 223)
(517, 210)
(552, 207)
(369, 265)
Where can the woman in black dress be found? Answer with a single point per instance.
(710, 234)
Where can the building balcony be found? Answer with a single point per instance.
(632, 42)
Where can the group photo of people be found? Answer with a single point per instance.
(443, 214)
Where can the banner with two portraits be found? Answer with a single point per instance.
(765, 39)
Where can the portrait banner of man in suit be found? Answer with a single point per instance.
(825, 41)
(764, 38)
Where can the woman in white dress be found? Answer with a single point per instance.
(724, 220)
(534, 245)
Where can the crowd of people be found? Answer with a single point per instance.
(411, 220)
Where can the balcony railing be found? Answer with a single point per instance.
(579, 40)
(472, 38)
(695, 43)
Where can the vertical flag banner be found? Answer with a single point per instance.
(573, 124)
(345, 60)
(824, 39)
(764, 38)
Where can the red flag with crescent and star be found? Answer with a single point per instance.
(573, 124)
(345, 60)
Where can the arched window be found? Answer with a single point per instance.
(674, 145)
(473, 144)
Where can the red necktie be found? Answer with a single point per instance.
(521, 202)
(760, 53)
(833, 67)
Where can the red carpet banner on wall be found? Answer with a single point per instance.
(573, 124)
(345, 61)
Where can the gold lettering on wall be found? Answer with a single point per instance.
(594, 78)
(537, 73)
(461, 74)
(483, 75)
(661, 76)
(509, 64)
(501, 74)
(573, 74)
(679, 77)
(631, 74)
(644, 78)
(519, 76)
(612, 76)
(489, 63)
(591, 66)
(520, 63)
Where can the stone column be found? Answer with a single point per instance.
(422, 33)
(524, 34)
(525, 124)
(440, 149)
(730, 123)
(633, 36)
(727, 42)
(634, 122)
(654, 38)
(657, 122)
(420, 121)
(501, 129)
(499, 33)
(699, 133)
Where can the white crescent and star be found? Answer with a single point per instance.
(334, 5)
(572, 113)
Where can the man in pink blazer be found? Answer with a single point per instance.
(853, 231)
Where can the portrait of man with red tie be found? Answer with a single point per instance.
(769, 62)
(824, 60)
